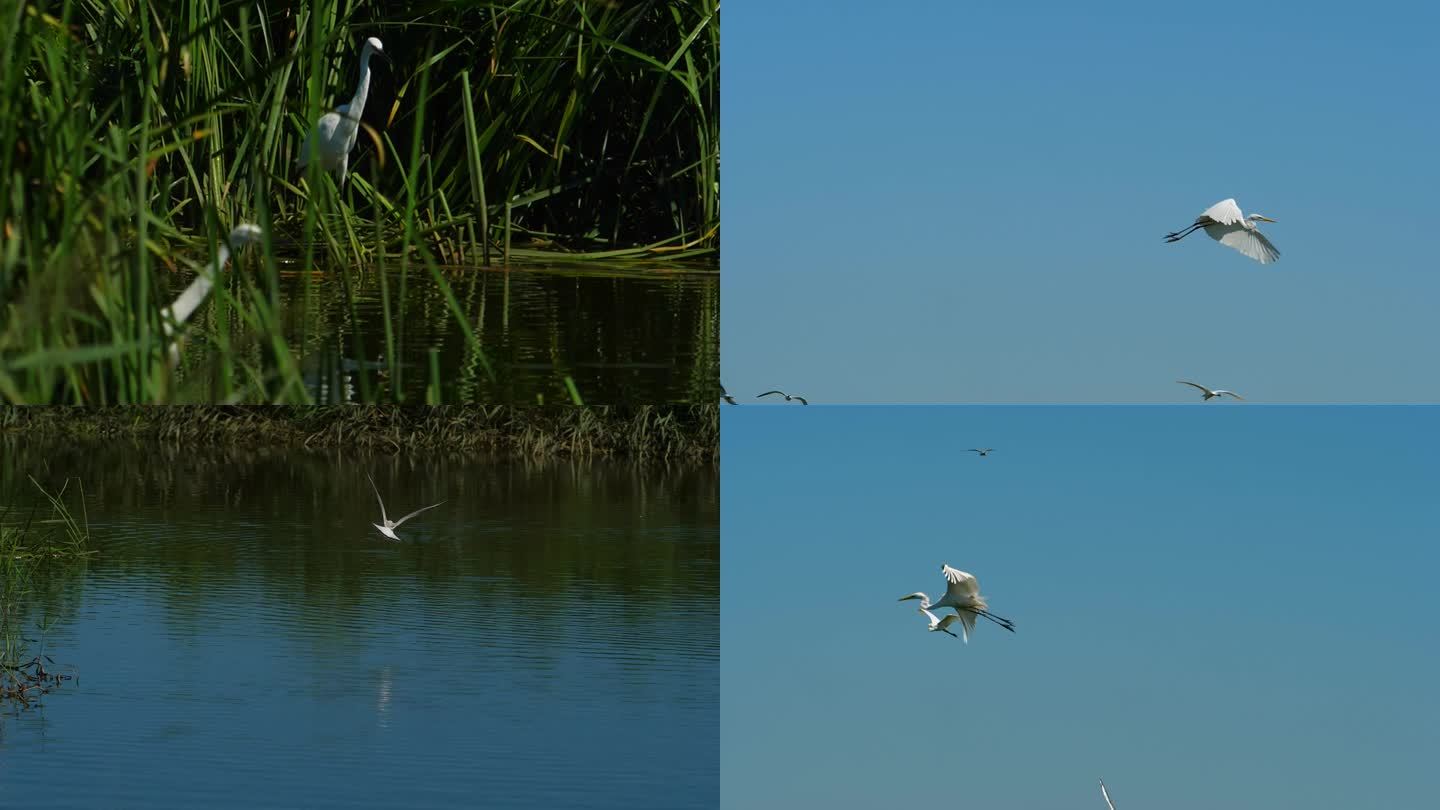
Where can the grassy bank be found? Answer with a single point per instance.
(641, 433)
(133, 137)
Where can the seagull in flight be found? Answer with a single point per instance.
(1226, 224)
(726, 396)
(389, 527)
(962, 594)
(939, 624)
(1209, 395)
(1106, 794)
(787, 397)
(983, 451)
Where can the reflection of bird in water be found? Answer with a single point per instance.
(175, 315)
(1224, 223)
(389, 526)
(788, 397)
(962, 594)
(1209, 395)
(726, 396)
(983, 451)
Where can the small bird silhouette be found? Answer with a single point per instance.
(787, 397)
(1209, 395)
(983, 451)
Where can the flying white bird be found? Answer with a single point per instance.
(175, 315)
(1224, 222)
(983, 451)
(1208, 394)
(389, 527)
(962, 594)
(937, 623)
(1106, 794)
(787, 397)
(725, 395)
(333, 136)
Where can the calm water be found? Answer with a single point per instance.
(547, 637)
(622, 337)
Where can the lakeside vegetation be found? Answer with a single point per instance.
(639, 433)
(136, 136)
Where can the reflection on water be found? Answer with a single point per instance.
(549, 636)
(623, 337)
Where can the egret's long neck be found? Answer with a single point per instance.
(357, 104)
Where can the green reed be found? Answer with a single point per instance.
(133, 136)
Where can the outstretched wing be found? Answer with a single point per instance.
(1223, 392)
(934, 620)
(1194, 385)
(960, 585)
(966, 620)
(1225, 212)
(1106, 794)
(803, 401)
(383, 518)
(1248, 241)
(768, 393)
(416, 512)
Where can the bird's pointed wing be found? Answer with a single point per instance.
(1225, 212)
(768, 393)
(1223, 392)
(416, 512)
(1246, 240)
(934, 620)
(383, 518)
(959, 585)
(966, 620)
(1195, 385)
(803, 401)
(1106, 794)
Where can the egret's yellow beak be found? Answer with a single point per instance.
(1263, 218)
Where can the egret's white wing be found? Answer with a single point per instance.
(960, 585)
(416, 512)
(934, 620)
(320, 134)
(966, 620)
(1225, 212)
(1250, 242)
(383, 519)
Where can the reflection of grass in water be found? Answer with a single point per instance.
(31, 555)
(142, 136)
(643, 433)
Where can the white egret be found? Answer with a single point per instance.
(1208, 394)
(983, 451)
(938, 624)
(962, 594)
(333, 136)
(1224, 222)
(787, 397)
(389, 527)
(1106, 794)
(175, 315)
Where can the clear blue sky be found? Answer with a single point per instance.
(952, 201)
(1215, 607)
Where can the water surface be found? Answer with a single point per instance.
(244, 638)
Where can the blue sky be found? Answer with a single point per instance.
(947, 201)
(1215, 607)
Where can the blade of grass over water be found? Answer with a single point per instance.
(135, 138)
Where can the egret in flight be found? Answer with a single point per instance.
(175, 315)
(787, 397)
(983, 451)
(1208, 394)
(1224, 222)
(939, 624)
(962, 594)
(333, 136)
(389, 527)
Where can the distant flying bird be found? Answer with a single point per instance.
(726, 396)
(1209, 395)
(937, 623)
(1106, 794)
(787, 397)
(962, 594)
(389, 527)
(983, 451)
(1224, 222)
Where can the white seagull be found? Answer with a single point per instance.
(937, 623)
(1224, 222)
(389, 527)
(962, 594)
(1209, 395)
(1106, 794)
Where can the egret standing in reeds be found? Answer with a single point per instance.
(1224, 223)
(1207, 394)
(962, 594)
(175, 315)
(334, 135)
(387, 526)
(788, 397)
